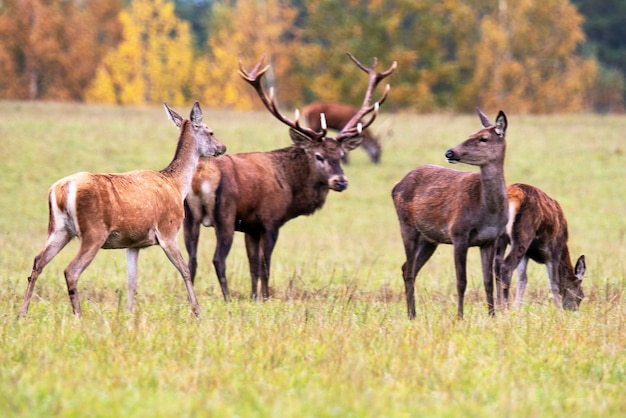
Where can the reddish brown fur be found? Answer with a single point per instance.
(256, 193)
(337, 116)
(130, 210)
(436, 206)
(537, 230)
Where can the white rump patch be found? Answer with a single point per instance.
(65, 219)
(72, 221)
(205, 188)
(208, 198)
(509, 224)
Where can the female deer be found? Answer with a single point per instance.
(436, 205)
(131, 210)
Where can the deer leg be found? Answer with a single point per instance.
(502, 291)
(224, 243)
(553, 275)
(460, 265)
(55, 243)
(418, 252)
(522, 280)
(191, 233)
(132, 254)
(487, 254)
(253, 249)
(516, 254)
(268, 242)
(170, 246)
(86, 253)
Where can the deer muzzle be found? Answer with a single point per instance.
(451, 156)
(220, 148)
(338, 183)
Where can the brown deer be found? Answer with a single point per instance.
(537, 230)
(257, 192)
(337, 115)
(436, 205)
(130, 210)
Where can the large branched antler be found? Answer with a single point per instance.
(253, 77)
(354, 126)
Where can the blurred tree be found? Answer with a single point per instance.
(430, 39)
(198, 14)
(253, 29)
(50, 49)
(154, 62)
(526, 58)
(605, 27)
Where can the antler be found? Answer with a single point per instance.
(354, 127)
(253, 77)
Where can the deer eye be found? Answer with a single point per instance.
(483, 139)
(319, 158)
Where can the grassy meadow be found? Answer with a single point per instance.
(334, 340)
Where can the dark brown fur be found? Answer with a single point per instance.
(337, 116)
(537, 230)
(256, 193)
(436, 205)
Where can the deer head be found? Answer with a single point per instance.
(206, 142)
(487, 146)
(325, 153)
(571, 287)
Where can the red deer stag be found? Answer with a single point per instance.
(337, 115)
(130, 210)
(436, 205)
(257, 192)
(537, 230)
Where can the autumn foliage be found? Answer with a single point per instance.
(451, 54)
(51, 49)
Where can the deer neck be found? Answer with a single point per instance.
(494, 196)
(566, 269)
(309, 195)
(180, 170)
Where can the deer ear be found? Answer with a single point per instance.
(580, 268)
(173, 116)
(349, 144)
(484, 120)
(298, 138)
(196, 114)
(501, 123)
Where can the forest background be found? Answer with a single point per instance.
(535, 56)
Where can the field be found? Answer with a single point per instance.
(334, 340)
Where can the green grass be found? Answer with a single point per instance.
(334, 340)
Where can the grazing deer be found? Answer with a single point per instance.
(436, 205)
(130, 210)
(337, 115)
(257, 192)
(537, 230)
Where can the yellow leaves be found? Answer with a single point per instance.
(451, 54)
(154, 62)
(526, 59)
(252, 29)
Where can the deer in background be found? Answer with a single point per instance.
(337, 116)
(130, 210)
(436, 205)
(257, 192)
(537, 230)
